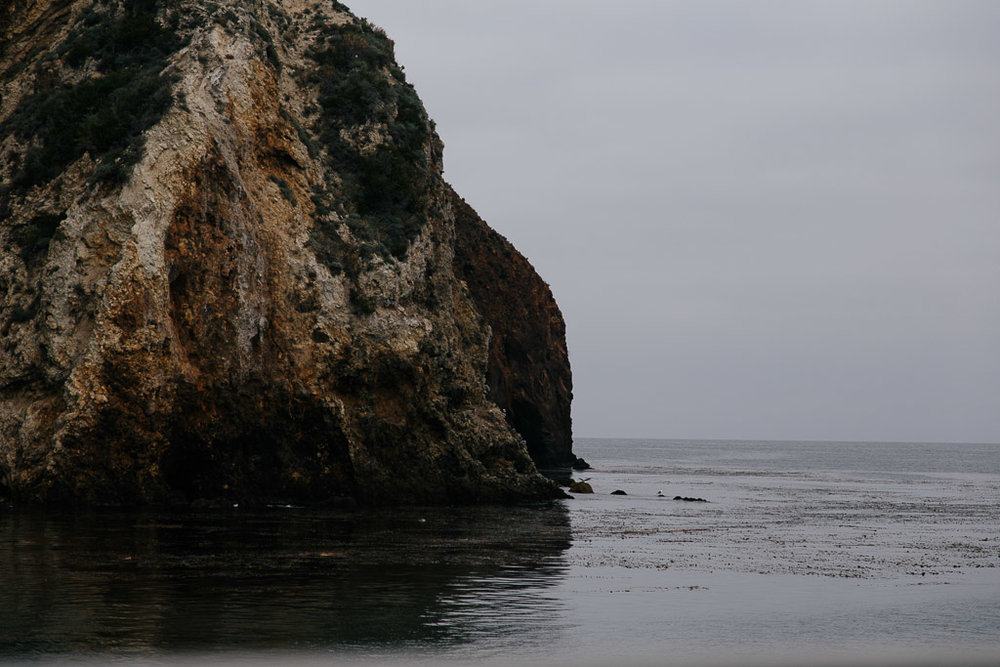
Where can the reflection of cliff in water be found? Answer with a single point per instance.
(112, 581)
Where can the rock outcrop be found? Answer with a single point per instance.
(528, 367)
(228, 270)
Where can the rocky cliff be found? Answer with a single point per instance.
(229, 270)
(528, 369)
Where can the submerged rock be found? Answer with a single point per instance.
(229, 269)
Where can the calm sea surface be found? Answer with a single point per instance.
(854, 553)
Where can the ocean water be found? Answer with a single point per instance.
(796, 553)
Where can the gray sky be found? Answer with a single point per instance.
(761, 220)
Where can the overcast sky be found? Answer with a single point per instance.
(761, 220)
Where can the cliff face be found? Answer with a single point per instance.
(528, 365)
(227, 269)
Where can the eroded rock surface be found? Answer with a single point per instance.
(528, 369)
(227, 270)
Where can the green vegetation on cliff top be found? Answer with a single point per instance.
(104, 114)
(125, 46)
(361, 86)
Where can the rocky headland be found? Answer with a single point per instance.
(230, 269)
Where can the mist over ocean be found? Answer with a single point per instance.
(837, 553)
